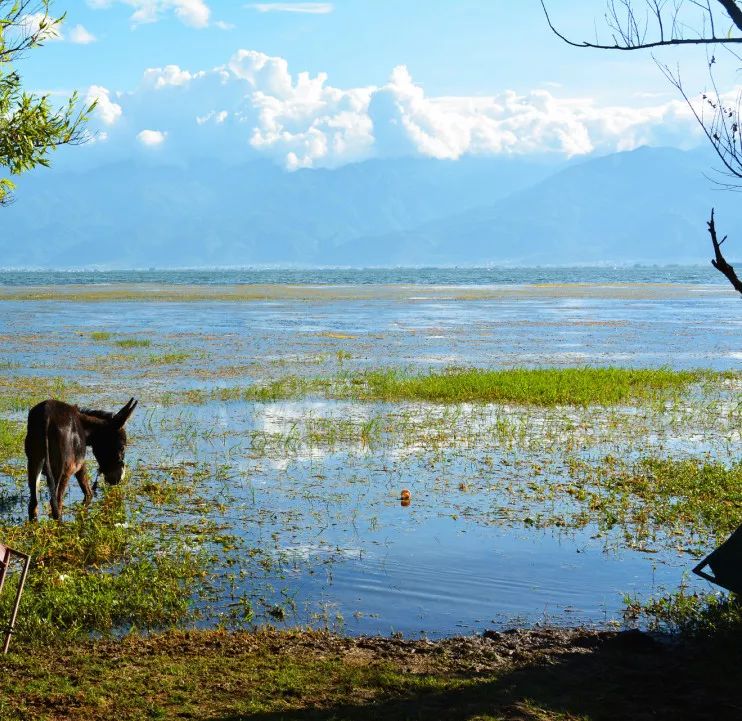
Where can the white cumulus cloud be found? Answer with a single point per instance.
(253, 105)
(35, 22)
(212, 117)
(106, 110)
(77, 34)
(195, 13)
(151, 138)
(80, 35)
(169, 75)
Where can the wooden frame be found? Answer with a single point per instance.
(6, 555)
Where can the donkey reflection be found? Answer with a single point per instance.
(56, 439)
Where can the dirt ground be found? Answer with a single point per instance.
(270, 675)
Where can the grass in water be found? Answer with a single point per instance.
(19, 393)
(100, 335)
(705, 615)
(98, 572)
(694, 497)
(544, 387)
(541, 387)
(11, 439)
(133, 343)
(164, 359)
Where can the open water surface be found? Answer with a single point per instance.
(322, 530)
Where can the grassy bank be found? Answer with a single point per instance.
(538, 675)
(98, 572)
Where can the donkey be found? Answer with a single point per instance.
(56, 439)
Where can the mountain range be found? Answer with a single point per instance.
(647, 205)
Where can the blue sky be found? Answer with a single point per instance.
(443, 78)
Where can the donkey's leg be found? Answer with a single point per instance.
(34, 476)
(61, 490)
(82, 479)
(52, 486)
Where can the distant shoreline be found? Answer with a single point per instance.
(399, 292)
(257, 277)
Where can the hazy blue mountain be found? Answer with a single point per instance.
(211, 214)
(647, 205)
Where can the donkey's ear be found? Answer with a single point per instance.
(124, 414)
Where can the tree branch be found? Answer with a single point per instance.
(632, 37)
(719, 262)
(733, 10)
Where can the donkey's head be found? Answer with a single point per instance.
(109, 442)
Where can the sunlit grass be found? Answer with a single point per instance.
(11, 439)
(543, 386)
(698, 614)
(20, 392)
(521, 386)
(133, 343)
(171, 358)
(100, 570)
(686, 498)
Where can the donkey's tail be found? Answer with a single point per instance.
(51, 482)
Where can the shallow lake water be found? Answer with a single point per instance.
(313, 498)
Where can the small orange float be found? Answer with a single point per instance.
(405, 495)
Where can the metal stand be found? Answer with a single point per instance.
(725, 563)
(6, 554)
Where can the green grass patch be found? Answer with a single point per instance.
(281, 389)
(11, 453)
(19, 393)
(99, 571)
(100, 335)
(706, 615)
(542, 386)
(133, 343)
(164, 359)
(693, 498)
(538, 387)
(11, 439)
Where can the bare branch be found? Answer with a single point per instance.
(719, 262)
(629, 33)
(733, 10)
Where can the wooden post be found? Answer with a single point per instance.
(4, 561)
(5, 554)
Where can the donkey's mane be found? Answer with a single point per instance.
(103, 415)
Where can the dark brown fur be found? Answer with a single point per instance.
(56, 439)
